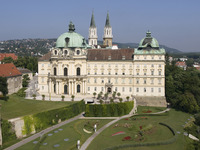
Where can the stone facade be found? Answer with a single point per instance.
(79, 71)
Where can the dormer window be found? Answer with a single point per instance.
(55, 52)
(78, 52)
(66, 52)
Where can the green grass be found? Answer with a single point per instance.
(73, 131)
(143, 109)
(174, 119)
(17, 106)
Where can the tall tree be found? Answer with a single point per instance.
(3, 85)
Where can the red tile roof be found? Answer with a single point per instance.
(3, 55)
(110, 54)
(47, 56)
(180, 63)
(9, 70)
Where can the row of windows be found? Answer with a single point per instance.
(109, 73)
(66, 52)
(145, 90)
(78, 71)
(109, 65)
(102, 89)
(78, 89)
(145, 81)
(145, 57)
(145, 66)
(109, 81)
(152, 73)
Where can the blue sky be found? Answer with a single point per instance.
(174, 23)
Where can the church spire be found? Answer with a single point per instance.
(92, 23)
(107, 21)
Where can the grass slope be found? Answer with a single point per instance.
(17, 106)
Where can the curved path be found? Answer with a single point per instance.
(89, 140)
(39, 134)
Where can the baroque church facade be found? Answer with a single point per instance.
(74, 67)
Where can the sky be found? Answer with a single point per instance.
(174, 23)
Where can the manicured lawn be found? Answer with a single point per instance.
(147, 109)
(66, 136)
(174, 119)
(17, 106)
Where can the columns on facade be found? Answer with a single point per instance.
(69, 87)
(85, 87)
(75, 87)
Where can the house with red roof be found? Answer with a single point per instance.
(181, 64)
(13, 75)
(3, 55)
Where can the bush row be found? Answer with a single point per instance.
(46, 119)
(108, 110)
(169, 141)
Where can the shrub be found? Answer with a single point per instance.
(8, 133)
(21, 92)
(108, 110)
(34, 96)
(63, 97)
(72, 97)
(43, 97)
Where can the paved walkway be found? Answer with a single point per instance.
(42, 132)
(89, 140)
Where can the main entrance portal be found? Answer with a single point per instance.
(109, 90)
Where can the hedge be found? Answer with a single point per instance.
(108, 110)
(46, 119)
(169, 141)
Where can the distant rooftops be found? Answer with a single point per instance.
(9, 70)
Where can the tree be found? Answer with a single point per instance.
(72, 97)
(94, 94)
(25, 80)
(127, 98)
(120, 100)
(43, 97)
(3, 86)
(63, 97)
(118, 94)
(7, 60)
(190, 62)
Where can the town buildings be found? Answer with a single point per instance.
(75, 68)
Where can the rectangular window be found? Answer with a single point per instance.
(102, 89)
(137, 73)
(159, 73)
(145, 90)
(137, 81)
(152, 81)
(115, 80)
(116, 89)
(42, 79)
(130, 89)
(159, 65)
(152, 90)
(123, 89)
(102, 81)
(42, 87)
(42, 65)
(123, 80)
(108, 80)
(88, 80)
(159, 81)
(95, 88)
(145, 81)
(130, 81)
(137, 90)
(145, 73)
(159, 90)
(88, 88)
(152, 73)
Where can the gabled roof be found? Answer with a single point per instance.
(24, 70)
(110, 54)
(3, 55)
(9, 70)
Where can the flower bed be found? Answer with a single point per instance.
(127, 138)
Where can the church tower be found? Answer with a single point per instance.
(107, 38)
(92, 40)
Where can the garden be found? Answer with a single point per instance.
(66, 137)
(145, 131)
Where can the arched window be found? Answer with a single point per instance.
(55, 52)
(65, 89)
(66, 52)
(78, 71)
(54, 71)
(54, 88)
(65, 72)
(78, 52)
(78, 88)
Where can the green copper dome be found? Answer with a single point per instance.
(71, 39)
(148, 42)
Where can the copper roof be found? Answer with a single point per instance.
(110, 54)
(9, 70)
